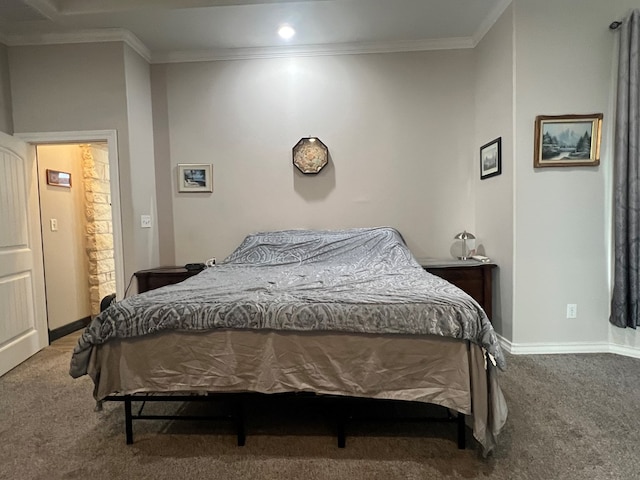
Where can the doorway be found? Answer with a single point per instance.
(77, 239)
(91, 264)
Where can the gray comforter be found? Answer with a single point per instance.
(357, 280)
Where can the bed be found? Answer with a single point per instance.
(344, 313)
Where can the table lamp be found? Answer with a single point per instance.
(464, 236)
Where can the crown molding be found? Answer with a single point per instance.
(490, 21)
(46, 8)
(84, 36)
(122, 35)
(83, 7)
(312, 50)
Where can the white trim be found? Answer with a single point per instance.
(560, 348)
(123, 35)
(313, 50)
(625, 350)
(45, 8)
(111, 137)
(514, 169)
(504, 343)
(83, 36)
(490, 21)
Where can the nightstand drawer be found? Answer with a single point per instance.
(468, 279)
(475, 278)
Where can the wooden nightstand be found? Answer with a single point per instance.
(472, 276)
(162, 276)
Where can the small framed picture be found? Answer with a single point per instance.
(567, 140)
(195, 177)
(491, 159)
(59, 179)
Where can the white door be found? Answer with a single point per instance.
(23, 321)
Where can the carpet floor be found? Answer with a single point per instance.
(570, 417)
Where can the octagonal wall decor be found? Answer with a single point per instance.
(310, 155)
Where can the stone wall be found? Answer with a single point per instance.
(99, 229)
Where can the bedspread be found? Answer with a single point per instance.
(357, 281)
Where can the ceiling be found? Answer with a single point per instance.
(181, 30)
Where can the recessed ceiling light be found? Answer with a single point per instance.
(286, 31)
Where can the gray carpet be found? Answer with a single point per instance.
(571, 417)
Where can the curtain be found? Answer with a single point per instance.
(626, 285)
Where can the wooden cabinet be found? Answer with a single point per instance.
(472, 276)
(161, 276)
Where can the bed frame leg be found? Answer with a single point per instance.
(461, 432)
(128, 419)
(342, 434)
(240, 424)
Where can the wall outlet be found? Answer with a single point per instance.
(53, 223)
(145, 221)
(572, 310)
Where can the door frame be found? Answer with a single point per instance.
(88, 136)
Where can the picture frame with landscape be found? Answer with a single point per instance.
(195, 177)
(567, 140)
(59, 179)
(491, 159)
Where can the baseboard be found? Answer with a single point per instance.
(504, 343)
(626, 351)
(560, 348)
(60, 332)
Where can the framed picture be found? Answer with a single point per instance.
(310, 155)
(567, 140)
(195, 177)
(59, 179)
(491, 159)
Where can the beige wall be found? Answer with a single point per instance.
(141, 154)
(65, 258)
(82, 87)
(161, 146)
(494, 196)
(6, 119)
(399, 128)
(562, 215)
(69, 87)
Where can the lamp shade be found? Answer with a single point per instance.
(464, 236)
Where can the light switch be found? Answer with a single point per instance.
(145, 221)
(53, 223)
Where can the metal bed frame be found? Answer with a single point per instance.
(345, 417)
